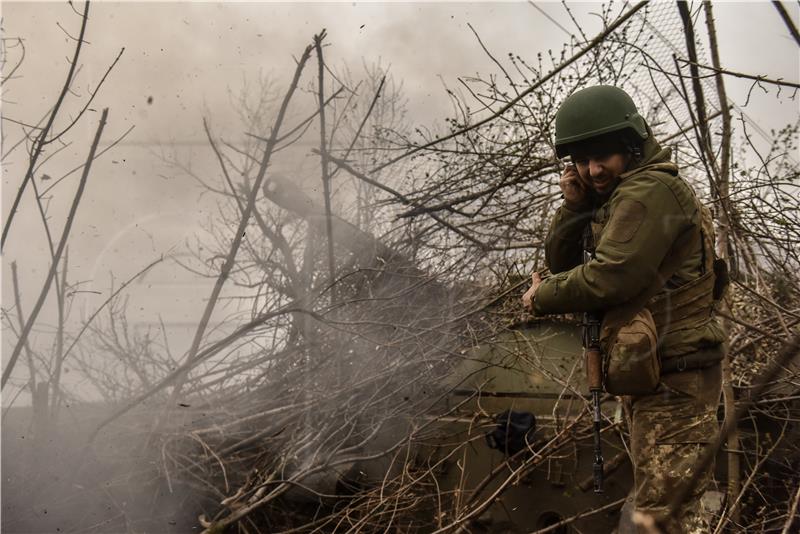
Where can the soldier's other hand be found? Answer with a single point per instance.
(571, 186)
(527, 298)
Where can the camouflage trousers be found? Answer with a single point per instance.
(669, 431)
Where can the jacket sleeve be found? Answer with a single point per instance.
(563, 248)
(646, 216)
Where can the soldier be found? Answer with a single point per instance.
(653, 251)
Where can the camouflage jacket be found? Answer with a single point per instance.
(634, 231)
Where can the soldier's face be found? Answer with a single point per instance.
(601, 171)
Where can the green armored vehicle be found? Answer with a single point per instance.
(520, 397)
(507, 449)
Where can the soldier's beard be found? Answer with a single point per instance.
(604, 185)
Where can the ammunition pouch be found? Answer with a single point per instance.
(631, 365)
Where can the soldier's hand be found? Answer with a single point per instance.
(572, 187)
(527, 298)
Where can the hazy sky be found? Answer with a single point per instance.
(183, 60)
(187, 55)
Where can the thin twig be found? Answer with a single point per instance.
(763, 79)
(55, 378)
(363, 123)
(586, 513)
(21, 319)
(787, 526)
(10, 75)
(234, 194)
(90, 99)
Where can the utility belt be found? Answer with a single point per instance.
(702, 359)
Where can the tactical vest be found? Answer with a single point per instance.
(690, 305)
(693, 302)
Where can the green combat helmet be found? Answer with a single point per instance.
(595, 111)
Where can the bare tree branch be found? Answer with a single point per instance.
(42, 137)
(61, 245)
(326, 179)
(787, 20)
